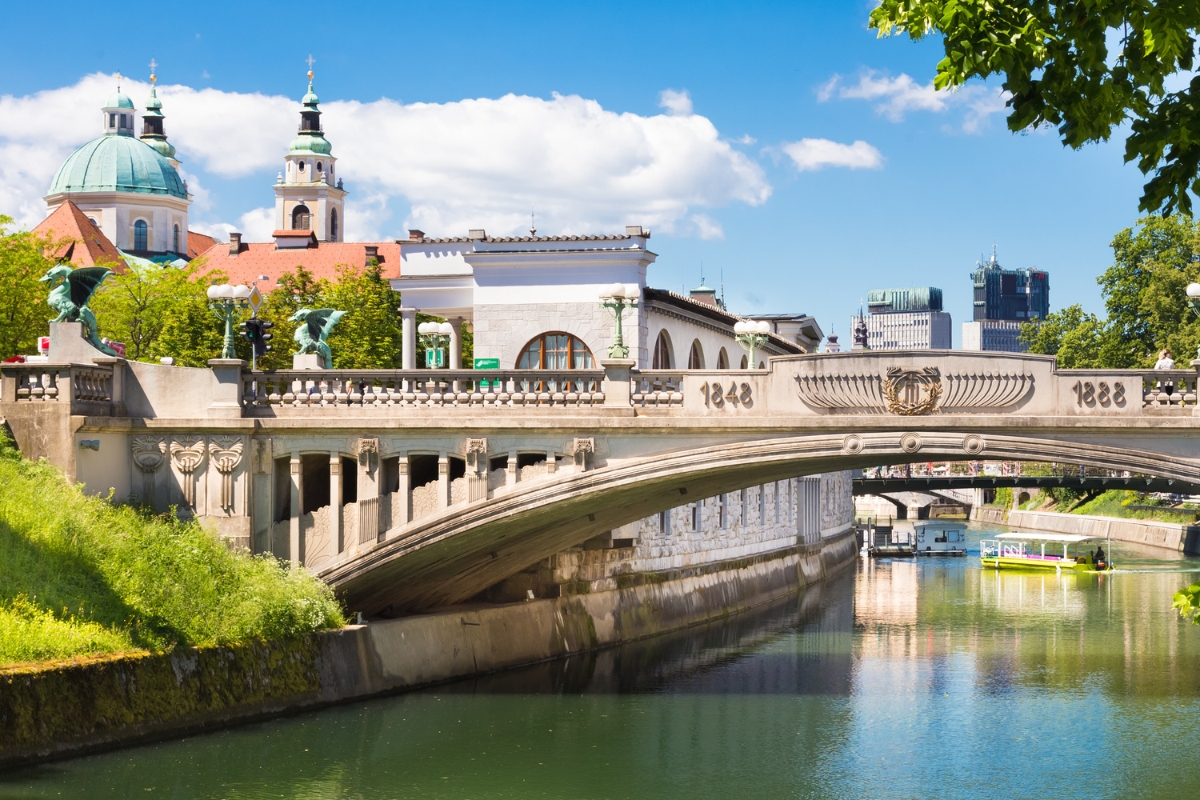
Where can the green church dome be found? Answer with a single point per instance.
(118, 100)
(311, 142)
(120, 163)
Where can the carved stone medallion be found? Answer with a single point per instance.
(852, 444)
(910, 442)
(973, 444)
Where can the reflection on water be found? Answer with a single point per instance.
(928, 678)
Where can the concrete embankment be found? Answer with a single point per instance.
(95, 704)
(1167, 535)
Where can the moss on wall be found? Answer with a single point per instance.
(44, 709)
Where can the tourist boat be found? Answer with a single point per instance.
(1029, 551)
(939, 537)
(889, 540)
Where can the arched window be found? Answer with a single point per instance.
(744, 362)
(333, 225)
(140, 235)
(176, 249)
(318, 166)
(663, 358)
(722, 359)
(556, 351)
(301, 218)
(93, 221)
(762, 365)
(696, 356)
(300, 166)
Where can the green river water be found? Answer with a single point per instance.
(895, 679)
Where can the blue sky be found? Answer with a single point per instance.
(934, 184)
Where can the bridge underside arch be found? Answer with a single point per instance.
(450, 557)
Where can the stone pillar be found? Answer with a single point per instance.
(403, 493)
(513, 474)
(616, 386)
(226, 387)
(477, 470)
(368, 469)
(336, 534)
(551, 462)
(408, 354)
(294, 505)
(443, 481)
(456, 325)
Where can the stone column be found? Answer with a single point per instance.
(294, 505)
(408, 354)
(616, 386)
(403, 493)
(336, 534)
(511, 468)
(443, 481)
(456, 325)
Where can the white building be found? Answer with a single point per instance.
(992, 334)
(308, 194)
(906, 319)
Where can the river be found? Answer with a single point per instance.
(895, 679)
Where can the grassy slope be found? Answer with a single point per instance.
(80, 576)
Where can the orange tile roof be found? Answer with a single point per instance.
(263, 258)
(197, 243)
(83, 244)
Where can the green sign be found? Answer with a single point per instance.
(487, 363)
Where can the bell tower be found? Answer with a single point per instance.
(308, 193)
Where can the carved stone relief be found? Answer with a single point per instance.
(910, 391)
(149, 452)
(226, 454)
(187, 453)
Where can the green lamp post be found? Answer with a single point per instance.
(751, 336)
(436, 337)
(225, 300)
(1193, 295)
(619, 298)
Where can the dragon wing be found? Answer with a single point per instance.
(84, 282)
(321, 322)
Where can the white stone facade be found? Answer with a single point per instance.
(908, 330)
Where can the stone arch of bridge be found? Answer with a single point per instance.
(451, 556)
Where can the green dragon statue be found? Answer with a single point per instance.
(313, 330)
(70, 291)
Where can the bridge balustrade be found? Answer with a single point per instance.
(422, 388)
(652, 388)
(1163, 388)
(86, 388)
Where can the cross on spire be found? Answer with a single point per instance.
(153, 67)
(118, 81)
(310, 61)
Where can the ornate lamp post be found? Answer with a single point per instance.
(618, 298)
(1193, 301)
(224, 299)
(435, 336)
(751, 336)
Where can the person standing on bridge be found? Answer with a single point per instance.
(1165, 362)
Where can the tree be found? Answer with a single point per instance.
(1072, 334)
(369, 336)
(137, 305)
(24, 315)
(1057, 65)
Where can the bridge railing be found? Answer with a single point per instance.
(657, 388)
(1166, 388)
(422, 388)
(86, 388)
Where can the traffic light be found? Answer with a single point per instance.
(261, 348)
(249, 329)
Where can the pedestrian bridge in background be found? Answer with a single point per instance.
(459, 479)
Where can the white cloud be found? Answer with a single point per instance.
(814, 154)
(896, 97)
(707, 227)
(678, 103)
(458, 165)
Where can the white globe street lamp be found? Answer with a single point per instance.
(617, 299)
(224, 299)
(751, 335)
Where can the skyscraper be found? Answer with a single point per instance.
(1004, 300)
(906, 319)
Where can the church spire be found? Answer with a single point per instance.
(153, 130)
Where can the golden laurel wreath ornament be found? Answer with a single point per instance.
(911, 391)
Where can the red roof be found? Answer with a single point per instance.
(197, 243)
(83, 243)
(321, 259)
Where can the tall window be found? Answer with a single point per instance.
(664, 522)
(663, 359)
(722, 359)
(743, 362)
(696, 516)
(140, 235)
(724, 500)
(696, 356)
(333, 225)
(176, 249)
(301, 218)
(745, 506)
